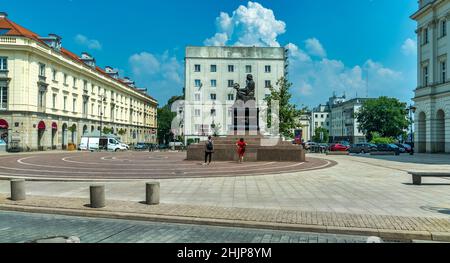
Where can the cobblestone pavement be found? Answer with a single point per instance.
(357, 185)
(20, 228)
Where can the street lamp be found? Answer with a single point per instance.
(411, 110)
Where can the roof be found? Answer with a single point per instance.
(19, 31)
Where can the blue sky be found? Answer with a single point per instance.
(333, 43)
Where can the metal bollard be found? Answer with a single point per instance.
(18, 190)
(152, 193)
(97, 194)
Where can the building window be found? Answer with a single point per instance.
(74, 82)
(3, 97)
(197, 68)
(268, 84)
(444, 71)
(213, 96)
(99, 110)
(197, 97)
(65, 103)
(197, 113)
(230, 83)
(3, 63)
(198, 83)
(268, 69)
(41, 70)
(321, 116)
(92, 109)
(425, 36)
(248, 69)
(41, 99)
(65, 79)
(425, 76)
(213, 68)
(74, 105)
(54, 72)
(213, 112)
(213, 83)
(230, 68)
(231, 97)
(54, 101)
(444, 28)
(85, 85)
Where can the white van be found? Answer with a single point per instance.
(103, 143)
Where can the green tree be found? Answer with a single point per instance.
(325, 138)
(288, 113)
(386, 116)
(165, 118)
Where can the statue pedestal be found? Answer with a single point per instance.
(246, 121)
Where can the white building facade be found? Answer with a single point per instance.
(344, 124)
(320, 118)
(50, 97)
(210, 74)
(432, 95)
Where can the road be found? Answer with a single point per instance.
(22, 227)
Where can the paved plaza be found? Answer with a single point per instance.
(20, 228)
(359, 185)
(371, 195)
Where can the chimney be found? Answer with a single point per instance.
(3, 15)
(88, 59)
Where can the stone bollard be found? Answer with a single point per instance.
(97, 196)
(152, 193)
(18, 190)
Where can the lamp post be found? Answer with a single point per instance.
(411, 110)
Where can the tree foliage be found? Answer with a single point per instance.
(165, 118)
(288, 113)
(385, 116)
(325, 138)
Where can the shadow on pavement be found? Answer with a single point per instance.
(445, 211)
(420, 158)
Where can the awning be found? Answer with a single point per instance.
(41, 125)
(3, 124)
(54, 126)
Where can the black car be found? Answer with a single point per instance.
(388, 148)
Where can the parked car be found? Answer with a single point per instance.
(163, 147)
(406, 147)
(337, 147)
(345, 143)
(324, 147)
(362, 148)
(309, 145)
(141, 146)
(388, 148)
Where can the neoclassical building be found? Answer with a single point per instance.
(432, 95)
(50, 97)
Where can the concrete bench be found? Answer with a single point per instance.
(417, 176)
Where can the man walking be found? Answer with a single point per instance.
(209, 150)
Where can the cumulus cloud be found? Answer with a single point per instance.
(315, 75)
(89, 43)
(409, 47)
(160, 73)
(315, 48)
(251, 25)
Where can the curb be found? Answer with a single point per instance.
(407, 236)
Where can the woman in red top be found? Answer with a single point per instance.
(241, 145)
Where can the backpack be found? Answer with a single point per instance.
(210, 146)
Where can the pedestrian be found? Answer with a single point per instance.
(209, 150)
(241, 147)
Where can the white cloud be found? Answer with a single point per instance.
(409, 47)
(251, 25)
(89, 43)
(297, 54)
(315, 48)
(160, 73)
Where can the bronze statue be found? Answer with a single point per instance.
(248, 93)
